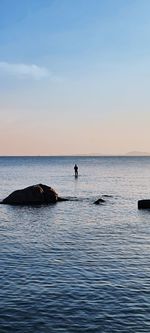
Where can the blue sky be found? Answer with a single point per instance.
(76, 70)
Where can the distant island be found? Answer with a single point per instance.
(130, 153)
(137, 153)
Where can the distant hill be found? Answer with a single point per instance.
(137, 153)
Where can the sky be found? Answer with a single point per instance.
(74, 77)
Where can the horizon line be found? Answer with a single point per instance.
(83, 155)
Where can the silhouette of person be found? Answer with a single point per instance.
(76, 170)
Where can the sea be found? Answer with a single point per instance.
(75, 266)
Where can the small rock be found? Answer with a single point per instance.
(99, 201)
(144, 204)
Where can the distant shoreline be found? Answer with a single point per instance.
(76, 155)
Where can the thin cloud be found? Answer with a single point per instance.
(24, 70)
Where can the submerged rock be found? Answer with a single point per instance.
(32, 195)
(144, 204)
(63, 199)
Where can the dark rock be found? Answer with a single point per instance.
(99, 201)
(144, 204)
(49, 194)
(32, 195)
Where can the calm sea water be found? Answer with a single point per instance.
(75, 266)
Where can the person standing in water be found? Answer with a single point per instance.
(76, 170)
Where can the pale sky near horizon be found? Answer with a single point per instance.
(74, 76)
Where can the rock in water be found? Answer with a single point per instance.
(144, 204)
(32, 195)
(99, 201)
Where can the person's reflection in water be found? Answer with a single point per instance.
(76, 171)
